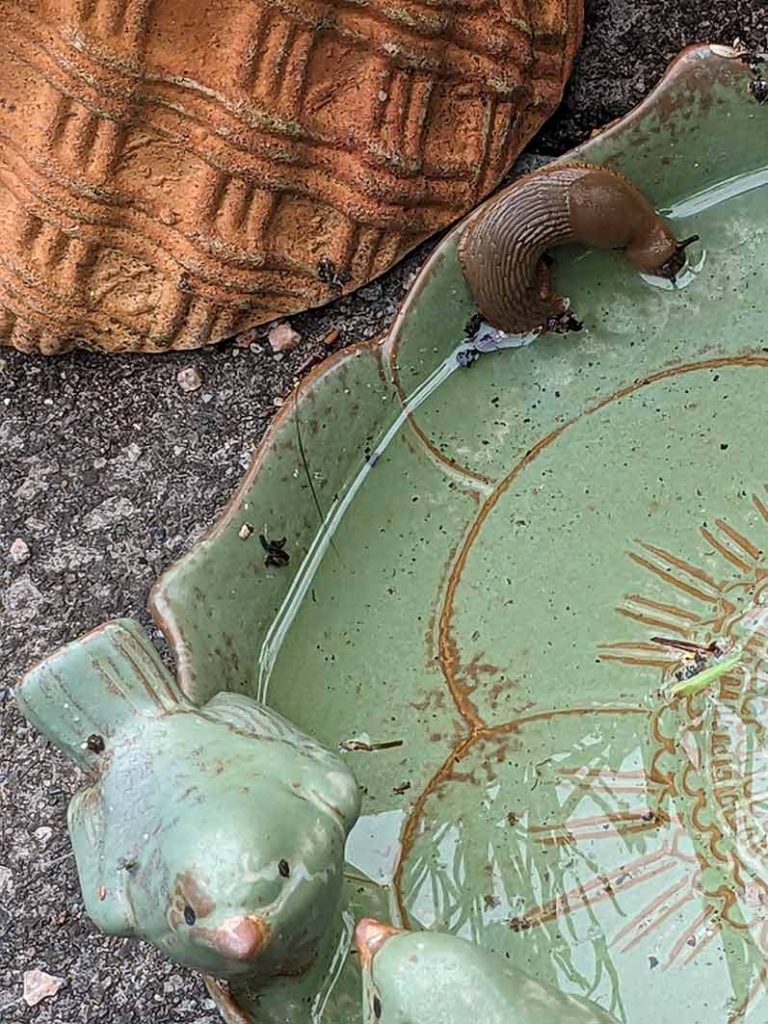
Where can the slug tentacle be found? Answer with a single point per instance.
(503, 251)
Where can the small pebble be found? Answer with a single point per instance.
(6, 879)
(277, 402)
(99, 463)
(43, 834)
(38, 986)
(19, 551)
(132, 452)
(246, 338)
(283, 338)
(189, 379)
(371, 292)
(332, 337)
(245, 531)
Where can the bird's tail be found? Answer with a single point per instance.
(87, 691)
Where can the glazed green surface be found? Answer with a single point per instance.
(490, 597)
(445, 980)
(492, 591)
(194, 819)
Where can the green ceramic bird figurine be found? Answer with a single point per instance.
(216, 833)
(432, 978)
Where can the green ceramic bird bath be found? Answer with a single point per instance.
(491, 603)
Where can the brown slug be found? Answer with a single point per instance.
(503, 248)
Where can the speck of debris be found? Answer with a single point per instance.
(19, 551)
(245, 531)
(283, 338)
(43, 835)
(652, 962)
(95, 744)
(38, 986)
(402, 788)
(133, 452)
(189, 379)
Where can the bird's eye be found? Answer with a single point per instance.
(284, 868)
(189, 916)
(377, 1008)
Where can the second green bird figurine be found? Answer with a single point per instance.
(216, 833)
(433, 978)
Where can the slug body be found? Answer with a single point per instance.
(503, 248)
(431, 978)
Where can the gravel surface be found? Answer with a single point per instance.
(109, 470)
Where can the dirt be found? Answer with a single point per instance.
(110, 470)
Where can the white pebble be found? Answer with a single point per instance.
(283, 338)
(189, 379)
(38, 986)
(19, 551)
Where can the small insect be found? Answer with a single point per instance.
(714, 649)
(564, 323)
(328, 274)
(697, 656)
(276, 555)
(351, 745)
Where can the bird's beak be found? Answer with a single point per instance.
(241, 938)
(370, 936)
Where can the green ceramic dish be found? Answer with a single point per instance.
(490, 595)
(483, 601)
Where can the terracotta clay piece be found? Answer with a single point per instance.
(173, 173)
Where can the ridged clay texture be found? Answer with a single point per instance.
(174, 172)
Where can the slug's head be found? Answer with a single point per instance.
(658, 252)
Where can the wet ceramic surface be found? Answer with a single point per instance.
(429, 975)
(215, 832)
(477, 566)
(490, 593)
